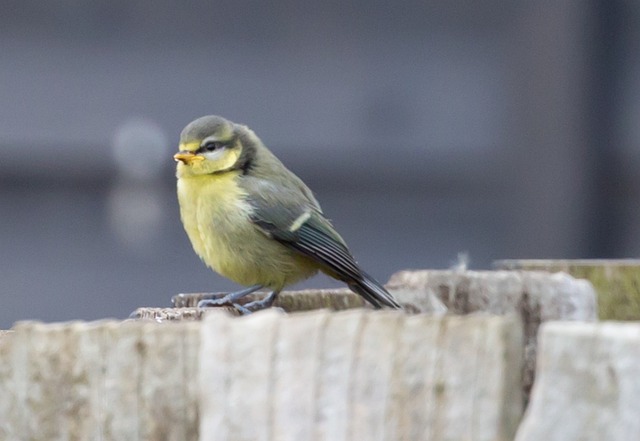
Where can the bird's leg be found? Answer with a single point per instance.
(229, 299)
(257, 305)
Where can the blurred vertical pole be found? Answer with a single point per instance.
(609, 184)
(547, 147)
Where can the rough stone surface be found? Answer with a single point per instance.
(617, 282)
(99, 381)
(587, 386)
(535, 297)
(354, 375)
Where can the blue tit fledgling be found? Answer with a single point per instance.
(253, 221)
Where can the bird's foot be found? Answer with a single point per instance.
(257, 305)
(230, 299)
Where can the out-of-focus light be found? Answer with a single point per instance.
(140, 148)
(136, 215)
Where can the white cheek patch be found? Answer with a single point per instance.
(216, 154)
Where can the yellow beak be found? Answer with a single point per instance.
(187, 157)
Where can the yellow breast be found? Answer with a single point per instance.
(215, 216)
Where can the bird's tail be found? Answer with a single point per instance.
(373, 292)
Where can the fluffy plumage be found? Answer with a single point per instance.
(252, 220)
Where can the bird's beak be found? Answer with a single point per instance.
(187, 157)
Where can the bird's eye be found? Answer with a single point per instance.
(212, 145)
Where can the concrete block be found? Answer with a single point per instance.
(99, 381)
(535, 297)
(587, 386)
(352, 375)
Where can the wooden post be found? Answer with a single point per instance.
(617, 282)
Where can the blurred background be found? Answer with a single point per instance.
(497, 128)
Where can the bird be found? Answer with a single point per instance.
(255, 222)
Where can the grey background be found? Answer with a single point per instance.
(497, 128)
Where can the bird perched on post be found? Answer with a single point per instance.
(253, 221)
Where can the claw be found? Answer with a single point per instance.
(231, 300)
(228, 300)
(242, 309)
(264, 303)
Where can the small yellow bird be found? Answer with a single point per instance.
(253, 221)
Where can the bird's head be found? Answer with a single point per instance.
(212, 144)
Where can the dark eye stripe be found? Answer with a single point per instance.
(211, 146)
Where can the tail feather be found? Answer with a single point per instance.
(373, 292)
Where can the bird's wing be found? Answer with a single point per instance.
(284, 216)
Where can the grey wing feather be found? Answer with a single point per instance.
(298, 223)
